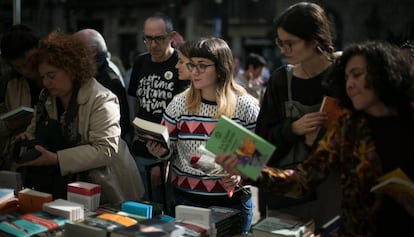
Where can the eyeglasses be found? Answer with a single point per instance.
(157, 39)
(201, 68)
(286, 45)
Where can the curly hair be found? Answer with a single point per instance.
(388, 73)
(68, 52)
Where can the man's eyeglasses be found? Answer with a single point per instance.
(286, 45)
(201, 68)
(157, 39)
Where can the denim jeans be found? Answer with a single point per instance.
(245, 207)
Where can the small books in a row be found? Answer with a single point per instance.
(31, 224)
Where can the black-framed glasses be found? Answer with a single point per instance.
(286, 45)
(157, 39)
(201, 68)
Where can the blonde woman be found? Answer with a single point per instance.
(191, 117)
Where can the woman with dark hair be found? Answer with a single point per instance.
(289, 115)
(76, 126)
(191, 117)
(373, 82)
(20, 86)
(183, 59)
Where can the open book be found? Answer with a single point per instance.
(146, 130)
(394, 181)
(252, 151)
(330, 105)
(17, 113)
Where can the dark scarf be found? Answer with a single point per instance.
(54, 134)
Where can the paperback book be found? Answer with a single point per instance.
(330, 105)
(395, 181)
(146, 130)
(252, 151)
(17, 113)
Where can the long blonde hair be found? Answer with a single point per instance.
(227, 90)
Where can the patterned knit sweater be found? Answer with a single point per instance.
(188, 131)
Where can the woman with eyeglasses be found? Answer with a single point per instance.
(192, 116)
(289, 115)
(183, 59)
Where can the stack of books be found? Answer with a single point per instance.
(63, 208)
(225, 221)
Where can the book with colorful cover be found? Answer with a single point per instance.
(394, 181)
(21, 228)
(45, 219)
(252, 151)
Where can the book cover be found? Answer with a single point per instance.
(17, 113)
(6, 194)
(395, 181)
(331, 228)
(80, 229)
(252, 151)
(274, 226)
(32, 201)
(147, 130)
(330, 105)
(194, 215)
(9, 206)
(47, 220)
(21, 228)
(137, 208)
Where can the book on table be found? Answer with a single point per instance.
(6, 194)
(252, 151)
(31, 200)
(17, 113)
(395, 181)
(330, 105)
(284, 225)
(146, 130)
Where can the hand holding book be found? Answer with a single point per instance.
(399, 186)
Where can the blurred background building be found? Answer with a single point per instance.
(245, 24)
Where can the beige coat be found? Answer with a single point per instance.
(102, 153)
(17, 94)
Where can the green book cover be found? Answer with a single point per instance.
(252, 151)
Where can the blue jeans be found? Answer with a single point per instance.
(246, 208)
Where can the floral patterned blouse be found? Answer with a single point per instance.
(349, 148)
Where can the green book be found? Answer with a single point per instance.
(252, 151)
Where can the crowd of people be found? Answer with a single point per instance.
(82, 124)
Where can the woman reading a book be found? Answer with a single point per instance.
(191, 117)
(76, 123)
(21, 88)
(377, 136)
